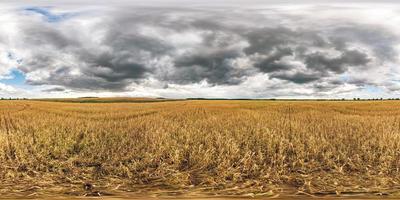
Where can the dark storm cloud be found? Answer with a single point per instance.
(265, 39)
(114, 67)
(320, 62)
(361, 81)
(87, 81)
(378, 38)
(123, 61)
(272, 62)
(214, 67)
(129, 53)
(297, 77)
(55, 89)
(308, 47)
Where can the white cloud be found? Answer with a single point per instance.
(6, 89)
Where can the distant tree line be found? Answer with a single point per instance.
(375, 99)
(3, 98)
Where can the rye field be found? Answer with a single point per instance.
(199, 147)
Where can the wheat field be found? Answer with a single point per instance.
(237, 148)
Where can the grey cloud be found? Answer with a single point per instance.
(55, 89)
(320, 62)
(393, 87)
(265, 39)
(297, 77)
(123, 61)
(46, 35)
(377, 37)
(114, 67)
(274, 44)
(86, 82)
(360, 81)
(38, 60)
(213, 66)
(273, 62)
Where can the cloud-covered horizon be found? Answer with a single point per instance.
(297, 51)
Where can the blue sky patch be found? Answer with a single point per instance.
(48, 15)
(17, 78)
(344, 77)
(373, 89)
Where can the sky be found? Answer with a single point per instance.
(192, 48)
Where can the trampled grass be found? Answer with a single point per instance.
(249, 148)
